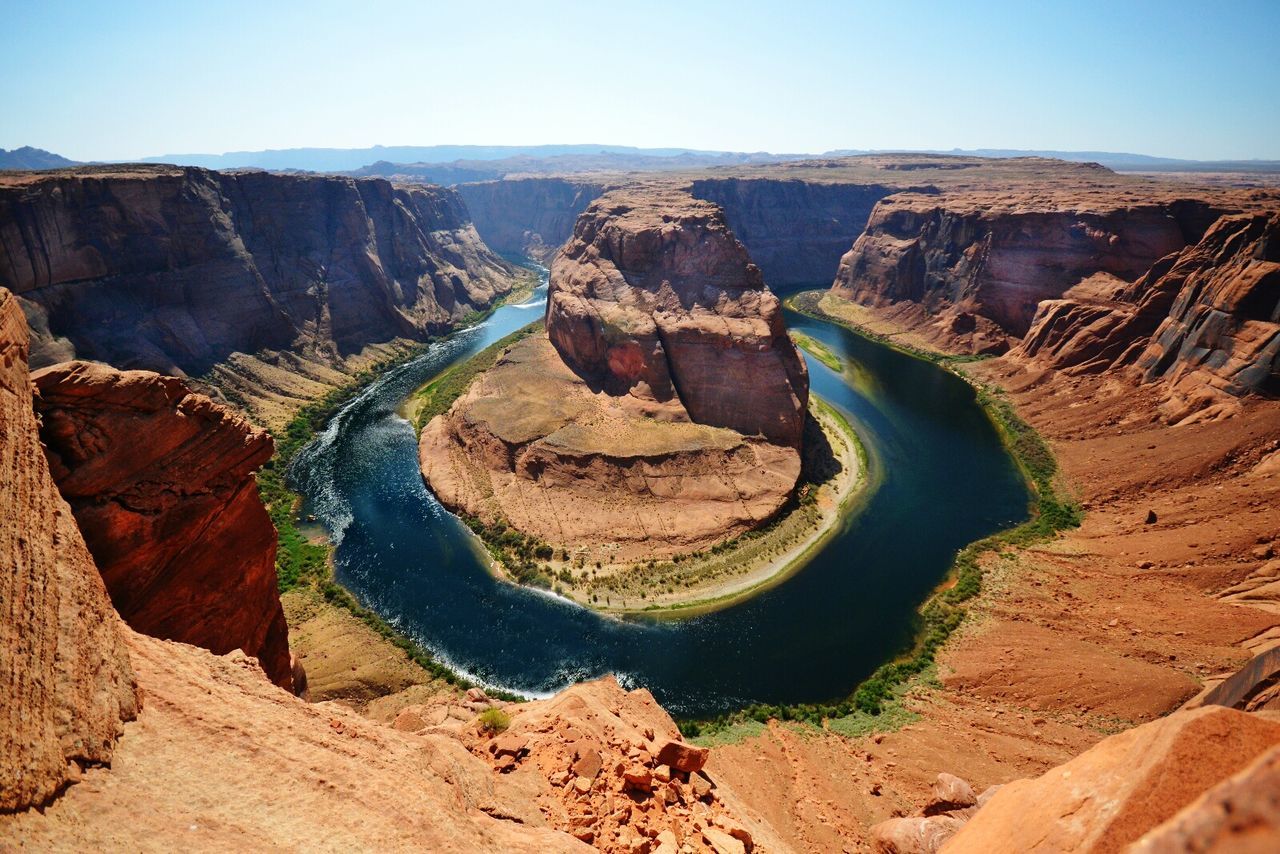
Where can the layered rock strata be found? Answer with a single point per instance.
(174, 269)
(1204, 321)
(161, 481)
(988, 260)
(66, 684)
(528, 216)
(661, 412)
(655, 299)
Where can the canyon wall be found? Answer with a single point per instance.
(655, 298)
(992, 258)
(528, 216)
(161, 482)
(1204, 321)
(174, 269)
(66, 684)
(795, 230)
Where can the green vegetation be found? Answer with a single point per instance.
(517, 552)
(819, 351)
(494, 721)
(438, 395)
(876, 702)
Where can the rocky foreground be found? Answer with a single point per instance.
(661, 412)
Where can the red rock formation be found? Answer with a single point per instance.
(1205, 321)
(1115, 792)
(661, 413)
(998, 256)
(1222, 335)
(66, 684)
(1241, 814)
(655, 298)
(173, 269)
(161, 483)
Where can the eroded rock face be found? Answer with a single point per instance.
(66, 683)
(1205, 321)
(161, 483)
(998, 256)
(654, 298)
(173, 269)
(528, 216)
(1222, 333)
(1112, 794)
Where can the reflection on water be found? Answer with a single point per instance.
(945, 482)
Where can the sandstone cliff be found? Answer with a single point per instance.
(656, 299)
(175, 269)
(796, 230)
(1205, 321)
(161, 483)
(528, 216)
(66, 685)
(984, 261)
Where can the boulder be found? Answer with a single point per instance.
(916, 835)
(1239, 814)
(682, 756)
(949, 793)
(1121, 788)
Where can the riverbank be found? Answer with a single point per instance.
(350, 652)
(945, 610)
(834, 473)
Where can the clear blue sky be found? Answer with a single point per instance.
(121, 79)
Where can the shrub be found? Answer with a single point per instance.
(494, 721)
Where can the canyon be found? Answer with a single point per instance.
(273, 288)
(1134, 325)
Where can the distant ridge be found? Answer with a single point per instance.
(1118, 160)
(347, 159)
(32, 158)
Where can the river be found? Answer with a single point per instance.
(943, 480)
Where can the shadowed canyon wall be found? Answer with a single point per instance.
(528, 216)
(174, 269)
(795, 230)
